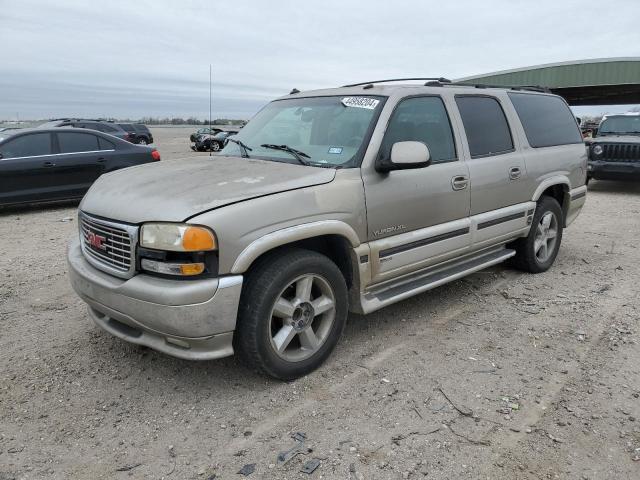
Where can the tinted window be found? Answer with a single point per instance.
(71, 142)
(141, 128)
(546, 120)
(27, 146)
(105, 144)
(106, 128)
(127, 127)
(485, 125)
(421, 119)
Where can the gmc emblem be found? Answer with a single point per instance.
(96, 241)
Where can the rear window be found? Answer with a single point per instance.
(103, 127)
(547, 120)
(105, 144)
(72, 142)
(485, 125)
(27, 146)
(141, 128)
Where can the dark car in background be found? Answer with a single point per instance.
(139, 133)
(214, 143)
(42, 165)
(614, 153)
(203, 131)
(99, 125)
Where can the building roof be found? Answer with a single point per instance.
(598, 81)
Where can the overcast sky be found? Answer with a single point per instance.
(139, 58)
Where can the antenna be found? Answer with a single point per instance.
(210, 100)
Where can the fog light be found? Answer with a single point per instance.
(179, 269)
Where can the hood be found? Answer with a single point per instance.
(175, 190)
(617, 139)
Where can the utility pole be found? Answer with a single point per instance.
(210, 101)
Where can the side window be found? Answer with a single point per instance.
(421, 119)
(106, 128)
(31, 145)
(547, 120)
(105, 144)
(73, 142)
(485, 125)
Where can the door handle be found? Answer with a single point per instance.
(515, 173)
(459, 182)
(48, 164)
(102, 160)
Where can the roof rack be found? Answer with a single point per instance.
(77, 119)
(431, 79)
(529, 88)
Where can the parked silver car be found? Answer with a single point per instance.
(330, 201)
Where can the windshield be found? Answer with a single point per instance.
(329, 131)
(620, 125)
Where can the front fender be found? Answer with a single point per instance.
(292, 234)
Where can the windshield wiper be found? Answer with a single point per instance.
(286, 148)
(244, 148)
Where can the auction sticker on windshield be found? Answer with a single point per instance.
(360, 102)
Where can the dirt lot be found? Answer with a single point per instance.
(499, 375)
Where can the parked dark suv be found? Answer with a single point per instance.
(614, 153)
(139, 133)
(99, 125)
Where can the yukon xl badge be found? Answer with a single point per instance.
(384, 231)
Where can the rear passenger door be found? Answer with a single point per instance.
(419, 217)
(80, 161)
(497, 170)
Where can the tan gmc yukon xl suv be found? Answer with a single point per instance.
(328, 201)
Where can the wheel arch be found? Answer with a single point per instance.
(332, 238)
(557, 187)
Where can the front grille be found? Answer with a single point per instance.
(108, 245)
(621, 152)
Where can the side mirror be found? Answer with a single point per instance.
(405, 156)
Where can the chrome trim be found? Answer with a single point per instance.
(57, 154)
(122, 261)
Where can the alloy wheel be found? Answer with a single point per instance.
(546, 237)
(302, 317)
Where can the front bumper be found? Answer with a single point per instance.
(601, 170)
(190, 319)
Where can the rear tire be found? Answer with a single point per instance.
(292, 312)
(142, 141)
(537, 252)
(215, 146)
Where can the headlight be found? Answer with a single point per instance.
(177, 237)
(597, 149)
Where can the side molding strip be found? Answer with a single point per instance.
(497, 221)
(421, 243)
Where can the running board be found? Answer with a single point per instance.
(381, 296)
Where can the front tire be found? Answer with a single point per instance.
(537, 252)
(292, 312)
(215, 146)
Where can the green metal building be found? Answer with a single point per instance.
(604, 81)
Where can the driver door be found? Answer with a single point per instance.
(419, 217)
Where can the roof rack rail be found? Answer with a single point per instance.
(529, 88)
(437, 79)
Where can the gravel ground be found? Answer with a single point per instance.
(499, 375)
